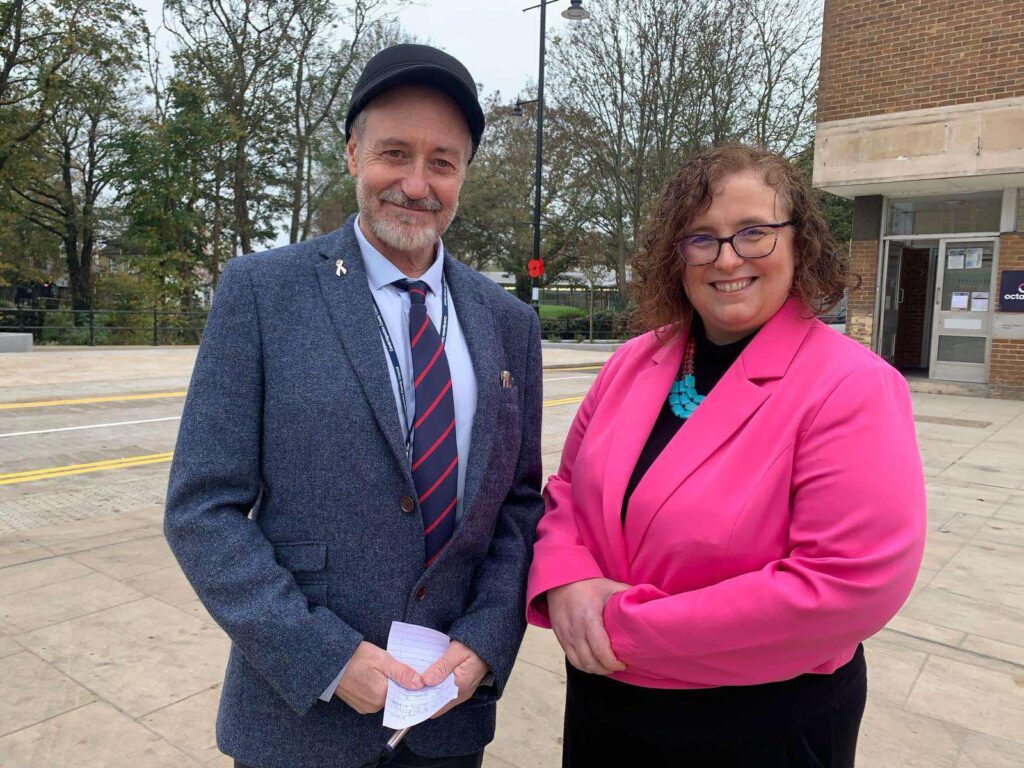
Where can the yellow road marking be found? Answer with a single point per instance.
(85, 400)
(30, 475)
(563, 401)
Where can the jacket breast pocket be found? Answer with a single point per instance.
(306, 561)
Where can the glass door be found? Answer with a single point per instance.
(890, 299)
(962, 317)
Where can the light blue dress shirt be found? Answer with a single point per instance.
(394, 306)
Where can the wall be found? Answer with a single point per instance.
(884, 56)
(1006, 370)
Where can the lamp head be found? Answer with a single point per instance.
(576, 11)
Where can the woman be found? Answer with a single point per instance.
(740, 500)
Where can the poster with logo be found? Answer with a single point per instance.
(1011, 291)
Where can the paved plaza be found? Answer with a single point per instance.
(108, 660)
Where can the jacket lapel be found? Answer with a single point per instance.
(729, 405)
(477, 326)
(350, 305)
(645, 396)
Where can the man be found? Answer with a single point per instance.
(361, 444)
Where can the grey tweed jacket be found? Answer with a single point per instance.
(285, 502)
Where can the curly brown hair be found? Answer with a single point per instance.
(821, 274)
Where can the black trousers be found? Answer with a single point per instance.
(809, 722)
(403, 757)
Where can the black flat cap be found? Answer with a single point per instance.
(408, 63)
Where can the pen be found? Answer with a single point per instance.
(395, 739)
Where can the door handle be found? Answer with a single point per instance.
(899, 299)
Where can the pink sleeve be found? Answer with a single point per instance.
(559, 556)
(857, 505)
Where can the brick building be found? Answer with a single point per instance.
(921, 124)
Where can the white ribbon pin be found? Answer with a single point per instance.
(340, 264)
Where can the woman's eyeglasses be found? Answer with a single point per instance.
(749, 243)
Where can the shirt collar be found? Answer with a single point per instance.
(382, 272)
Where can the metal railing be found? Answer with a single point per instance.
(104, 326)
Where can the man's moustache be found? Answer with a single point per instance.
(397, 198)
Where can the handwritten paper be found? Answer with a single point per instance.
(419, 647)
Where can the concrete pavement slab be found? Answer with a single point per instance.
(34, 691)
(892, 737)
(981, 751)
(94, 736)
(893, 668)
(9, 647)
(53, 603)
(189, 725)
(980, 699)
(129, 559)
(140, 656)
(530, 720)
(41, 573)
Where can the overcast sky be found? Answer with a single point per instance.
(495, 39)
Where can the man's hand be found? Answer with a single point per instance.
(469, 670)
(364, 685)
(577, 615)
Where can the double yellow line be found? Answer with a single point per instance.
(28, 476)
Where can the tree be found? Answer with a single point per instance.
(322, 70)
(38, 45)
(170, 176)
(74, 152)
(239, 50)
(648, 83)
(494, 225)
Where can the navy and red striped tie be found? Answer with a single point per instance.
(435, 452)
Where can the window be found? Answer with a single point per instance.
(945, 214)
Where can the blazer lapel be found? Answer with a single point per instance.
(729, 405)
(350, 304)
(632, 427)
(478, 328)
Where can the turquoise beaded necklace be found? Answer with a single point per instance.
(682, 397)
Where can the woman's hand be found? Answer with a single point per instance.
(577, 616)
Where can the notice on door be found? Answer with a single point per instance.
(955, 259)
(972, 258)
(959, 300)
(979, 301)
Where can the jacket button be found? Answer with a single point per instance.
(408, 505)
(420, 593)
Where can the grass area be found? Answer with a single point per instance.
(549, 311)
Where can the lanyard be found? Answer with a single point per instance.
(395, 364)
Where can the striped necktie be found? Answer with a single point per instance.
(435, 453)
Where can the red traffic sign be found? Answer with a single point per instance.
(535, 267)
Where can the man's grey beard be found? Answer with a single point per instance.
(414, 236)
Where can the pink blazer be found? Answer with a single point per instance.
(782, 525)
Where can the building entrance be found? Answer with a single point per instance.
(936, 312)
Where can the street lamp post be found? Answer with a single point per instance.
(575, 12)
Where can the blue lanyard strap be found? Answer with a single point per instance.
(389, 345)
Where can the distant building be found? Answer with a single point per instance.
(921, 124)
